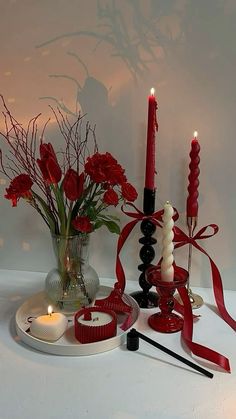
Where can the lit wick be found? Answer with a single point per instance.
(50, 310)
(152, 91)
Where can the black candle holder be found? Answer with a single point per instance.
(146, 298)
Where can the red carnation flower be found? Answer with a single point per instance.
(48, 164)
(19, 188)
(103, 168)
(129, 192)
(95, 167)
(116, 175)
(82, 224)
(110, 197)
(73, 184)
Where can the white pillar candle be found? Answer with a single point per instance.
(49, 327)
(167, 269)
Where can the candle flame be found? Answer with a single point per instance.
(50, 310)
(195, 134)
(152, 91)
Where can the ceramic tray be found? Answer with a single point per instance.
(67, 345)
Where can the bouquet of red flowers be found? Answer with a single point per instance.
(71, 189)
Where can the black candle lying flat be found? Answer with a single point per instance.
(133, 345)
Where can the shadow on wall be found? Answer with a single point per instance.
(117, 51)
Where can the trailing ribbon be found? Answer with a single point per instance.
(187, 336)
(182, 239)
(138, 216)
(180, 309)
(186, 311)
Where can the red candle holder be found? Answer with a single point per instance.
(165, 321)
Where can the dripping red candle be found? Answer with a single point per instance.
(192, 200)
(150, 150)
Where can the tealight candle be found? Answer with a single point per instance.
(50, 326)
(93, 324)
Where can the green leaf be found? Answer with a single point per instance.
(113, 217)
(109, 217)
(112, 227)
(91, 213)
(98, 224)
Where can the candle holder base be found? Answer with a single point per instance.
(196, 300)
(165, 321)
(146, 300)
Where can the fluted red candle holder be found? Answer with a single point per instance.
(90, 329)
(165, 320)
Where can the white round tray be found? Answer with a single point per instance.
(67, 345)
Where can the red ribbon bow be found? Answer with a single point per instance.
(182, 239)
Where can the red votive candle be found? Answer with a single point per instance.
(192, 200)
(150, 150)
(93, 324)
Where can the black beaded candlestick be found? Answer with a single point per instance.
(146, 298)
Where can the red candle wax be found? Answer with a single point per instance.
(150, 150)
(192, 200)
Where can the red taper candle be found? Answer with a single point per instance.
(192, 200)
(150, 150)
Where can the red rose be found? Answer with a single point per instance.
(19, 188)
(73, 184)
(82, 224)
(128, 192)
(103, 168)
(48, 164)
(110, 197)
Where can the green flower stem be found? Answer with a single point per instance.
(61, 207)
(51, 221)
(93, 194)
(69, 219)
(62, 249)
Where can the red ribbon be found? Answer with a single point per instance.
(186, 311)
(182, 239)
(187, 336)
(138, 216)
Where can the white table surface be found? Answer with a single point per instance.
(117, 384)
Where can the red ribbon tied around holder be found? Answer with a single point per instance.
(182, 239)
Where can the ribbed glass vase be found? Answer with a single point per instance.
(73, 283)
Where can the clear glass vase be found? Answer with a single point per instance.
(73, 283)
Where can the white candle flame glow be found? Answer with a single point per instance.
(195, 134)
(50, 310)
(152, 91)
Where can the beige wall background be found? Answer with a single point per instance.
(101, 58)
